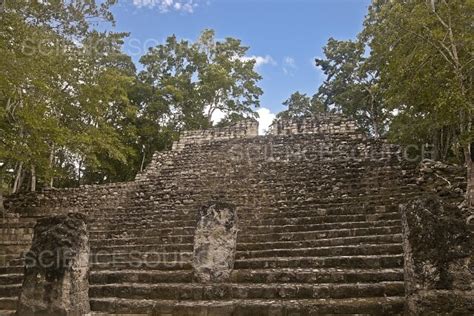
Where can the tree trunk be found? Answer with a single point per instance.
(142, 165)
(469, 157)
(33, 178)
(2, 209)
(79, 172)
(17, 183)
(51, 166)
(376, 129)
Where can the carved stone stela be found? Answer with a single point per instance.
(57, 268)
(215, 242)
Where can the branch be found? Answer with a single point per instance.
(449, 183)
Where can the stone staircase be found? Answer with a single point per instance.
(319, 230)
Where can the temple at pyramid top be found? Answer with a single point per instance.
(319, 124)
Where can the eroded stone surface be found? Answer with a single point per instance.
(215, 243)
(57, 268)
(437, 246)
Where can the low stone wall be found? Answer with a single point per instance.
(24, 209)
(58, 201)
(244, 129)
(437, 246)
(321, 124)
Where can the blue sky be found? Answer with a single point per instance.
(284, 35)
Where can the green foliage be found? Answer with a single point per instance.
(300, 105)
(353, 85)
(184, 83)
(63, 91)
(423, 50)
(188, 82)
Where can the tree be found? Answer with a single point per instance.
(184, 83)
(226, 80)
(190, 81)
(353, 85)
(57, 90)
(424, 53)
(301, 105)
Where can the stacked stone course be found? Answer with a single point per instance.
(319, 228)
(321, 124)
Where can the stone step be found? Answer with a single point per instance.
(140, 276)
(352, 250)
(7, 312)
(263, 229)
(359, 306)
(151, 231)
(312, 199)
(154, 256)
(219, 291)
(17, 268)
(341, 262)
(158, 240)
(137, 223)
(262, 220)
(279, 205)
(275, 213)
(12, 278)
(157, 245)
(9, 290)
(374, 239)
(8, 303)
(142, 265)
(387, 261)
(106, 247)
(136, 256)
(321, 190)
(316, 276)
(259, 238)
(253, 276)
(274, 216)
(244, 231)
(324, 234)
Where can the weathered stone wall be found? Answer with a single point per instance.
(438, 244)
(322, 124)
(24, 209)
(437, 249)
(57, 268)
(244, 129)
(58, 201)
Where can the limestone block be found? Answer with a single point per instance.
(215, 243)
(437, 247)
(57, 268)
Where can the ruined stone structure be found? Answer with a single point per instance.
(56, 280)
(314, 208)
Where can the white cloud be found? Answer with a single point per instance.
(289, 64)
(265, 119)
(290, 61)
(260, 60)
(168, 5)
(217, 116)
